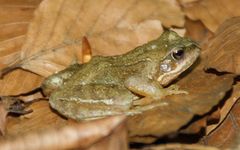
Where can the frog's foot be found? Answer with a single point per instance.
(162, 93)
(174, 89)
(140, 109)
(143, 101)
(158, 95)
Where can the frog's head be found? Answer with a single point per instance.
(180, 54)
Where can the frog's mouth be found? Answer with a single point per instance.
(170, 73)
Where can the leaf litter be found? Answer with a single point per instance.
(10, 105)
(54, 41)
(75, 136)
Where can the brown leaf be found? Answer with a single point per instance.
(3, 118)
(18, 82)
(14, 20)
(12, 11)
(197, 32)
(10, 105)
(10, 52)
(12, 30)
(203, 95)
(86, 50)
(90, 135)
(223, 52)
(112, 27)
(186, 1)
(212, 12)
(195, 127)
(117, 140)
(213, 120)
(40, 119)
(178, 147)
(227, 134)
(227, 106)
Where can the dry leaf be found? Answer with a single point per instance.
(18, 82)
(10, 105)
(12, 11)
(3, 118)
(212, 12)
(186, 1)
(14, 20)
(12, 30)
(222, 48)
(112, 27)
(117, 140)
(214, 119)
(162, 120)
(81, 136)
(197, 32)
(195, 126)
(223, 52)
(179, 31)
(227, 134)
(225, 109)
(178, 147)
(86, 50)
(41, 118)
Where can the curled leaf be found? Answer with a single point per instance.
(227, 133)
(226, 108)
(86, 50)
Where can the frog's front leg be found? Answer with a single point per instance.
(149, 88)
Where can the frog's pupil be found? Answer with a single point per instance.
(178, 54)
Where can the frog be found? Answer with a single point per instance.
(122, 84)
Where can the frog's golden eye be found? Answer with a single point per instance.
(177, 54)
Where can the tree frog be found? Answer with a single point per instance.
(112, 85)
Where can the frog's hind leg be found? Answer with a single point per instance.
(92, 101)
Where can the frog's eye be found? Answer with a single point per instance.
(177, 54)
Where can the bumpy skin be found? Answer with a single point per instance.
(110, 85)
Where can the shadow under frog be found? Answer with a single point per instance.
(122, 84)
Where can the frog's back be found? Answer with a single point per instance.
(103, 70)
(115, 69)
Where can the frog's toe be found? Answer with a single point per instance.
(175, 91)
(173, 87)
